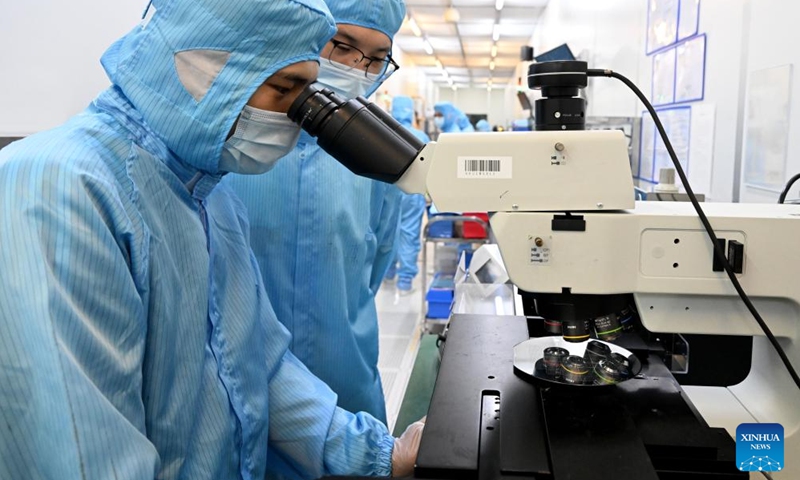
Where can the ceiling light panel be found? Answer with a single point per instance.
(517, 21)
(440, 29)
(445, 44)
(516, 31)
(511, 16)
(426, 15)
(475, 29)
(477, 48)
(470, 14)
(410, 48)
(463, 71)
(482, 72)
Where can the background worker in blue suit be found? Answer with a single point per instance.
(136, 338)
(323, 236)
(445, 116)
(483, 126)
(463, 122)
(411, 210)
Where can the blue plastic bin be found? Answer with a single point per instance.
(440, 296)
(441, 228)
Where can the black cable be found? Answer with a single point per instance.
(717, 251)
(767, 475)
(788, 187)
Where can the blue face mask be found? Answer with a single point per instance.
(260, 140)
(439, 121)
(346, 83)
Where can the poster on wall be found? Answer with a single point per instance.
(662, 24)
(701, 148)
(645, 169)
(689, 18)
(664, 77)
(690, 69)
(766, 138)
(677, 123)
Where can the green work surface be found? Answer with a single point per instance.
(420, 385)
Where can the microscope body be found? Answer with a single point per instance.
(566, 223)
(563, 214)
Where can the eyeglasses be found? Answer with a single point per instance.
(346, 57)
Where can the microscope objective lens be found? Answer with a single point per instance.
(606, 372)
(608, 327)
(595, 352)
(575, 331)
(553, 356)
(552, 327)
(623, 364)
(574, 370)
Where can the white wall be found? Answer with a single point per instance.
(607, 34)
(51, 58)
(725, 25)
(773, 39)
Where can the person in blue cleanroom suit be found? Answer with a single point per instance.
(483, 126)
(323, 236)
(445, 116)
(411, 210)
(136, 339)
(463, 122)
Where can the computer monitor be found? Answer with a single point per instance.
(561, 52)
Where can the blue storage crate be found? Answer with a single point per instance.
(440, 296)
(439, 310)
(441, 228)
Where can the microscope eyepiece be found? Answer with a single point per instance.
(357, 133)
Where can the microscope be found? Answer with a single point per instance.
(578, 247)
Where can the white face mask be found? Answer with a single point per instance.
(346, 83)
(260, 140)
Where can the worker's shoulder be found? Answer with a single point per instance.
(69, 167)
(74, 150)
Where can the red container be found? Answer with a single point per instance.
(474, 229)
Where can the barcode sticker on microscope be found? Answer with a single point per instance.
(484, 167)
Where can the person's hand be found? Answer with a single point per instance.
(404, 454)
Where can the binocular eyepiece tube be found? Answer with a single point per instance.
(357, 133)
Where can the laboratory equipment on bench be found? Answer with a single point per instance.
(578, 247)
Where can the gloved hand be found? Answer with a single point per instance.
(404, 454)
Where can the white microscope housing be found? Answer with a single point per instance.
(658, 251)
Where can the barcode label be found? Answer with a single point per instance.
(481, 166)
(484, 167)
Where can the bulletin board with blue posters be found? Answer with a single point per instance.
(677, 121)
(678, 55)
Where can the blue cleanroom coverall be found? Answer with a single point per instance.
(324, 238)
(450, 116)
(136, 337)
(463, 122)
(411, 210)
